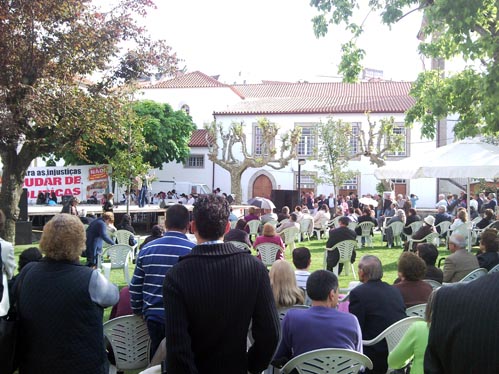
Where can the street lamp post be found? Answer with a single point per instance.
(301, 162)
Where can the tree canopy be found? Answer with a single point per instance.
(161, 134)
(467, 29)
(48, 49)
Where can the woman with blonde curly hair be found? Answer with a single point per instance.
(61, 305)
(283, 282)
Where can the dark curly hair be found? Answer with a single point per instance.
(489, 240)
(211, 214)
(412, 267)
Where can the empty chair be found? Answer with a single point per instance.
(119, 255)
(366, 228)
(416, 311)
(268, 252)
(254, 226)
(328, 360)
(130, 342)
(289, 236)
(305, 227)
(345, 248)
(392, 334)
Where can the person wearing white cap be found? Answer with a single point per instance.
(427, 228)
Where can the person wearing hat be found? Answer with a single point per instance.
(427, 228)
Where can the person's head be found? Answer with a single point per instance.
(285, 210)
(210, 217)
(488, 214)
(429, 220)
(441, 196)
(241, 224)
(401, 214)
(126, 219)
(63, 238)
(412, 212)
(110, 196)
(462, 215)
(94, 193)
(325, 208)
(441, 209)
(108, 217)
(268, 230)
(157, 231)
(293, 217)
(252, 210)
(411, 267)
(428, 252)
(2, 223)
(492, 196)
(31, 254)
(358, 211)
(177, 218)
(489, 241)
(297, 208)
(456, 242)
(283, 282)
(366, 211)
(301, 258)
(343, 221)
(370, 268)
(74, 201)
(322, 285)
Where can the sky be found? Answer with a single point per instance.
(274, 40)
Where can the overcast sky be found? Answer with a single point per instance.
(274, 40)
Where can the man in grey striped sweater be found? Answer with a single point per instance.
(212, 296)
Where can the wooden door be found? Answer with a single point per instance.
(262, 187)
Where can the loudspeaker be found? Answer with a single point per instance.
(65, 199)
(23, 232)
(23, 205)
(284, 198)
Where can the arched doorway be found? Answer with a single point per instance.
(262, 186)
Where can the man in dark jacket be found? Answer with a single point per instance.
(212, 295)
(376, 305)
(335, 236)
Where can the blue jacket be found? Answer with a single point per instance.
(96, 234)
(153, 261)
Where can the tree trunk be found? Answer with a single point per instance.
(235, 184)
(14, 170)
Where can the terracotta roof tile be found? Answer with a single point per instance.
(198, 138)
(190, 80)
(376, 97)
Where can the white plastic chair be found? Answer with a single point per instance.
(335, 222)
(289, 236)
(392, 334)
(268, 252)
(345, 248)
(466, 231)
(366, 228)
(415, 226)
(352, 225)
(130, 341)
(475, 274)
(416, 311)
(240, 245)
(444, 230)
(324, 228)
(328, 360)
(119, 255)
(432, 238)
(273, 222)
(495, 269)
(305, 226)
(433, 283)
(397, 228)
(254, 226)
(123, 237)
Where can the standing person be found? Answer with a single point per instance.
(212, 296)
(8, 268)
(414, 199)
(96, 234)
(376, 305)
(71, 206)
(153, 262)
(464, 330)
(109, 204)
(61, 305)
(321, 325)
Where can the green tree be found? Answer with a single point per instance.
(467, 29)
(165, 135)
(47, 107)
(333, 153)
(226, 143)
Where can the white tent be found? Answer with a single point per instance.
(469, 158)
